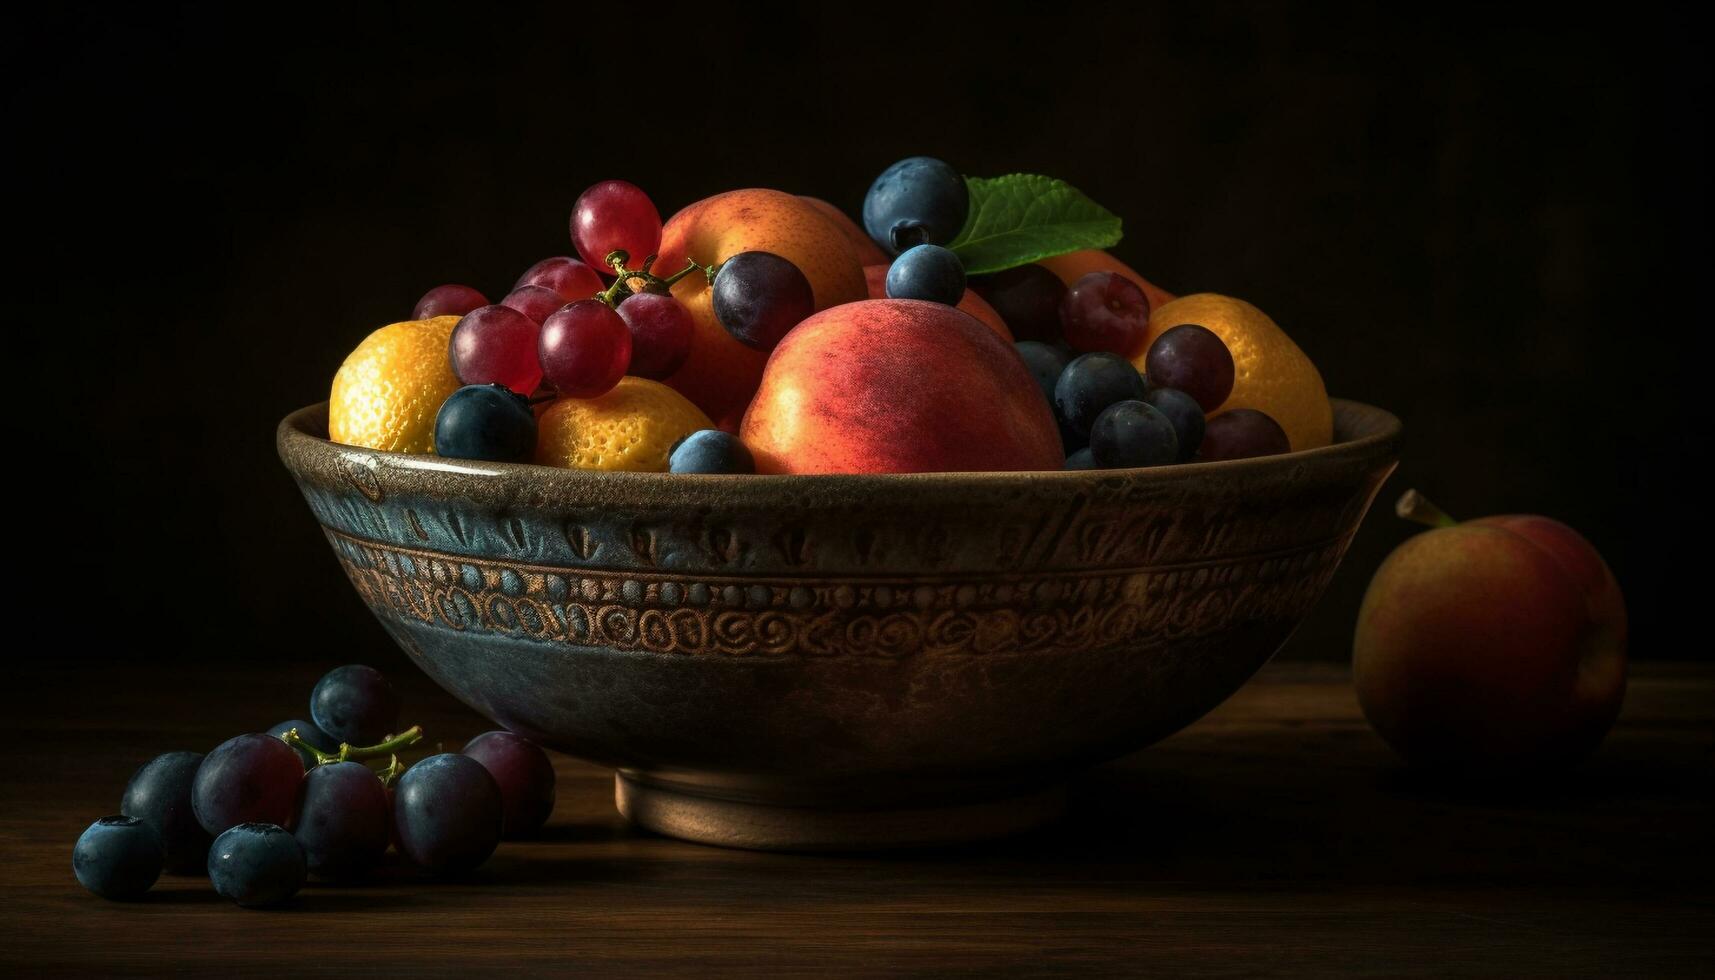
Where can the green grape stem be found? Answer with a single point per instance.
(356, 753)
(652, 283)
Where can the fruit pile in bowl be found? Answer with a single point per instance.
(969, 325)
(826, 535)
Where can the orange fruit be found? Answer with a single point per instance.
(633, 427)
(386, 394)
(1270, 373)
(1075, 265)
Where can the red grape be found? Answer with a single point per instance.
(615, 214)
(525, 777)
(1028, 298)
(661, 332)
(449, 300)
(585, 349)
(1105, 311)
(759, 296)
(1242, 433)
(497, 345)
(564, 275)
(251, 778)
(535, 302)
(1194, 360)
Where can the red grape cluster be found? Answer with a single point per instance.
(263, 811)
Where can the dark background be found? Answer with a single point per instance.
(1490, 222)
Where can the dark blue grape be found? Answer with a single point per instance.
(1028, 298)
(344, 823)
(117, 857)
(309, 732)
(256, 864)
(1045, 363)
(1081, 460)
(488, 422)
(249, 779)
(355, 704)
(447, 813)
(1133, 433)
(759, 296)
(1192, 359)
(1185, 414)
(1091, 383)
(711, 451)
(525, 777)
(927, 272)
(1241, 434)
(917, 201)
(159, 794)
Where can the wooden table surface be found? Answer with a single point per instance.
(1277, 835)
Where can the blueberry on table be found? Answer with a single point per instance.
(525, 777)
(711, 451)
(759, 296)
(256, 864)
(355, 704)
(159, 794)
(1133, 433)
(927, 272)
(488, 422)
(344, 822)
(919, 200)
(1091, 383)
(1185, 414)
(447, 813)
(117, 857)
(1045, 363)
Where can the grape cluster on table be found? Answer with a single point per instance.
(259, 816)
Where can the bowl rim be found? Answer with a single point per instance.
(298, 443)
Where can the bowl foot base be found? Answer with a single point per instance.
(766, 827)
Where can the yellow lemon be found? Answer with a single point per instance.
(387, 392)
(632, 427)
(1270, 373)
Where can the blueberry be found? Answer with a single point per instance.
(117, 857)
(355, 704)
(1133, 433)
(1185, 414)
(710, 451)
(916, 201)
(1090, 384)
(159, 794)
(1045, 364)
(1081, 460)
(310, 732)
(487, 422)
(256, 864)
(927, 272)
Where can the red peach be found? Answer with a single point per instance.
(898, 386)
(1494, 644)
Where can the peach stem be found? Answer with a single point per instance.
(1414, 506)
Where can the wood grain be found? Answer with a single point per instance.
(1278, 835)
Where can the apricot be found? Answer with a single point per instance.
(971, 303)
(898, 386)
(720, 374)
(1075, 265)
(1496, 644)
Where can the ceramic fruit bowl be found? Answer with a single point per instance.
(834, 662)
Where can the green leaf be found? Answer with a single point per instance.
(1020, 218)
